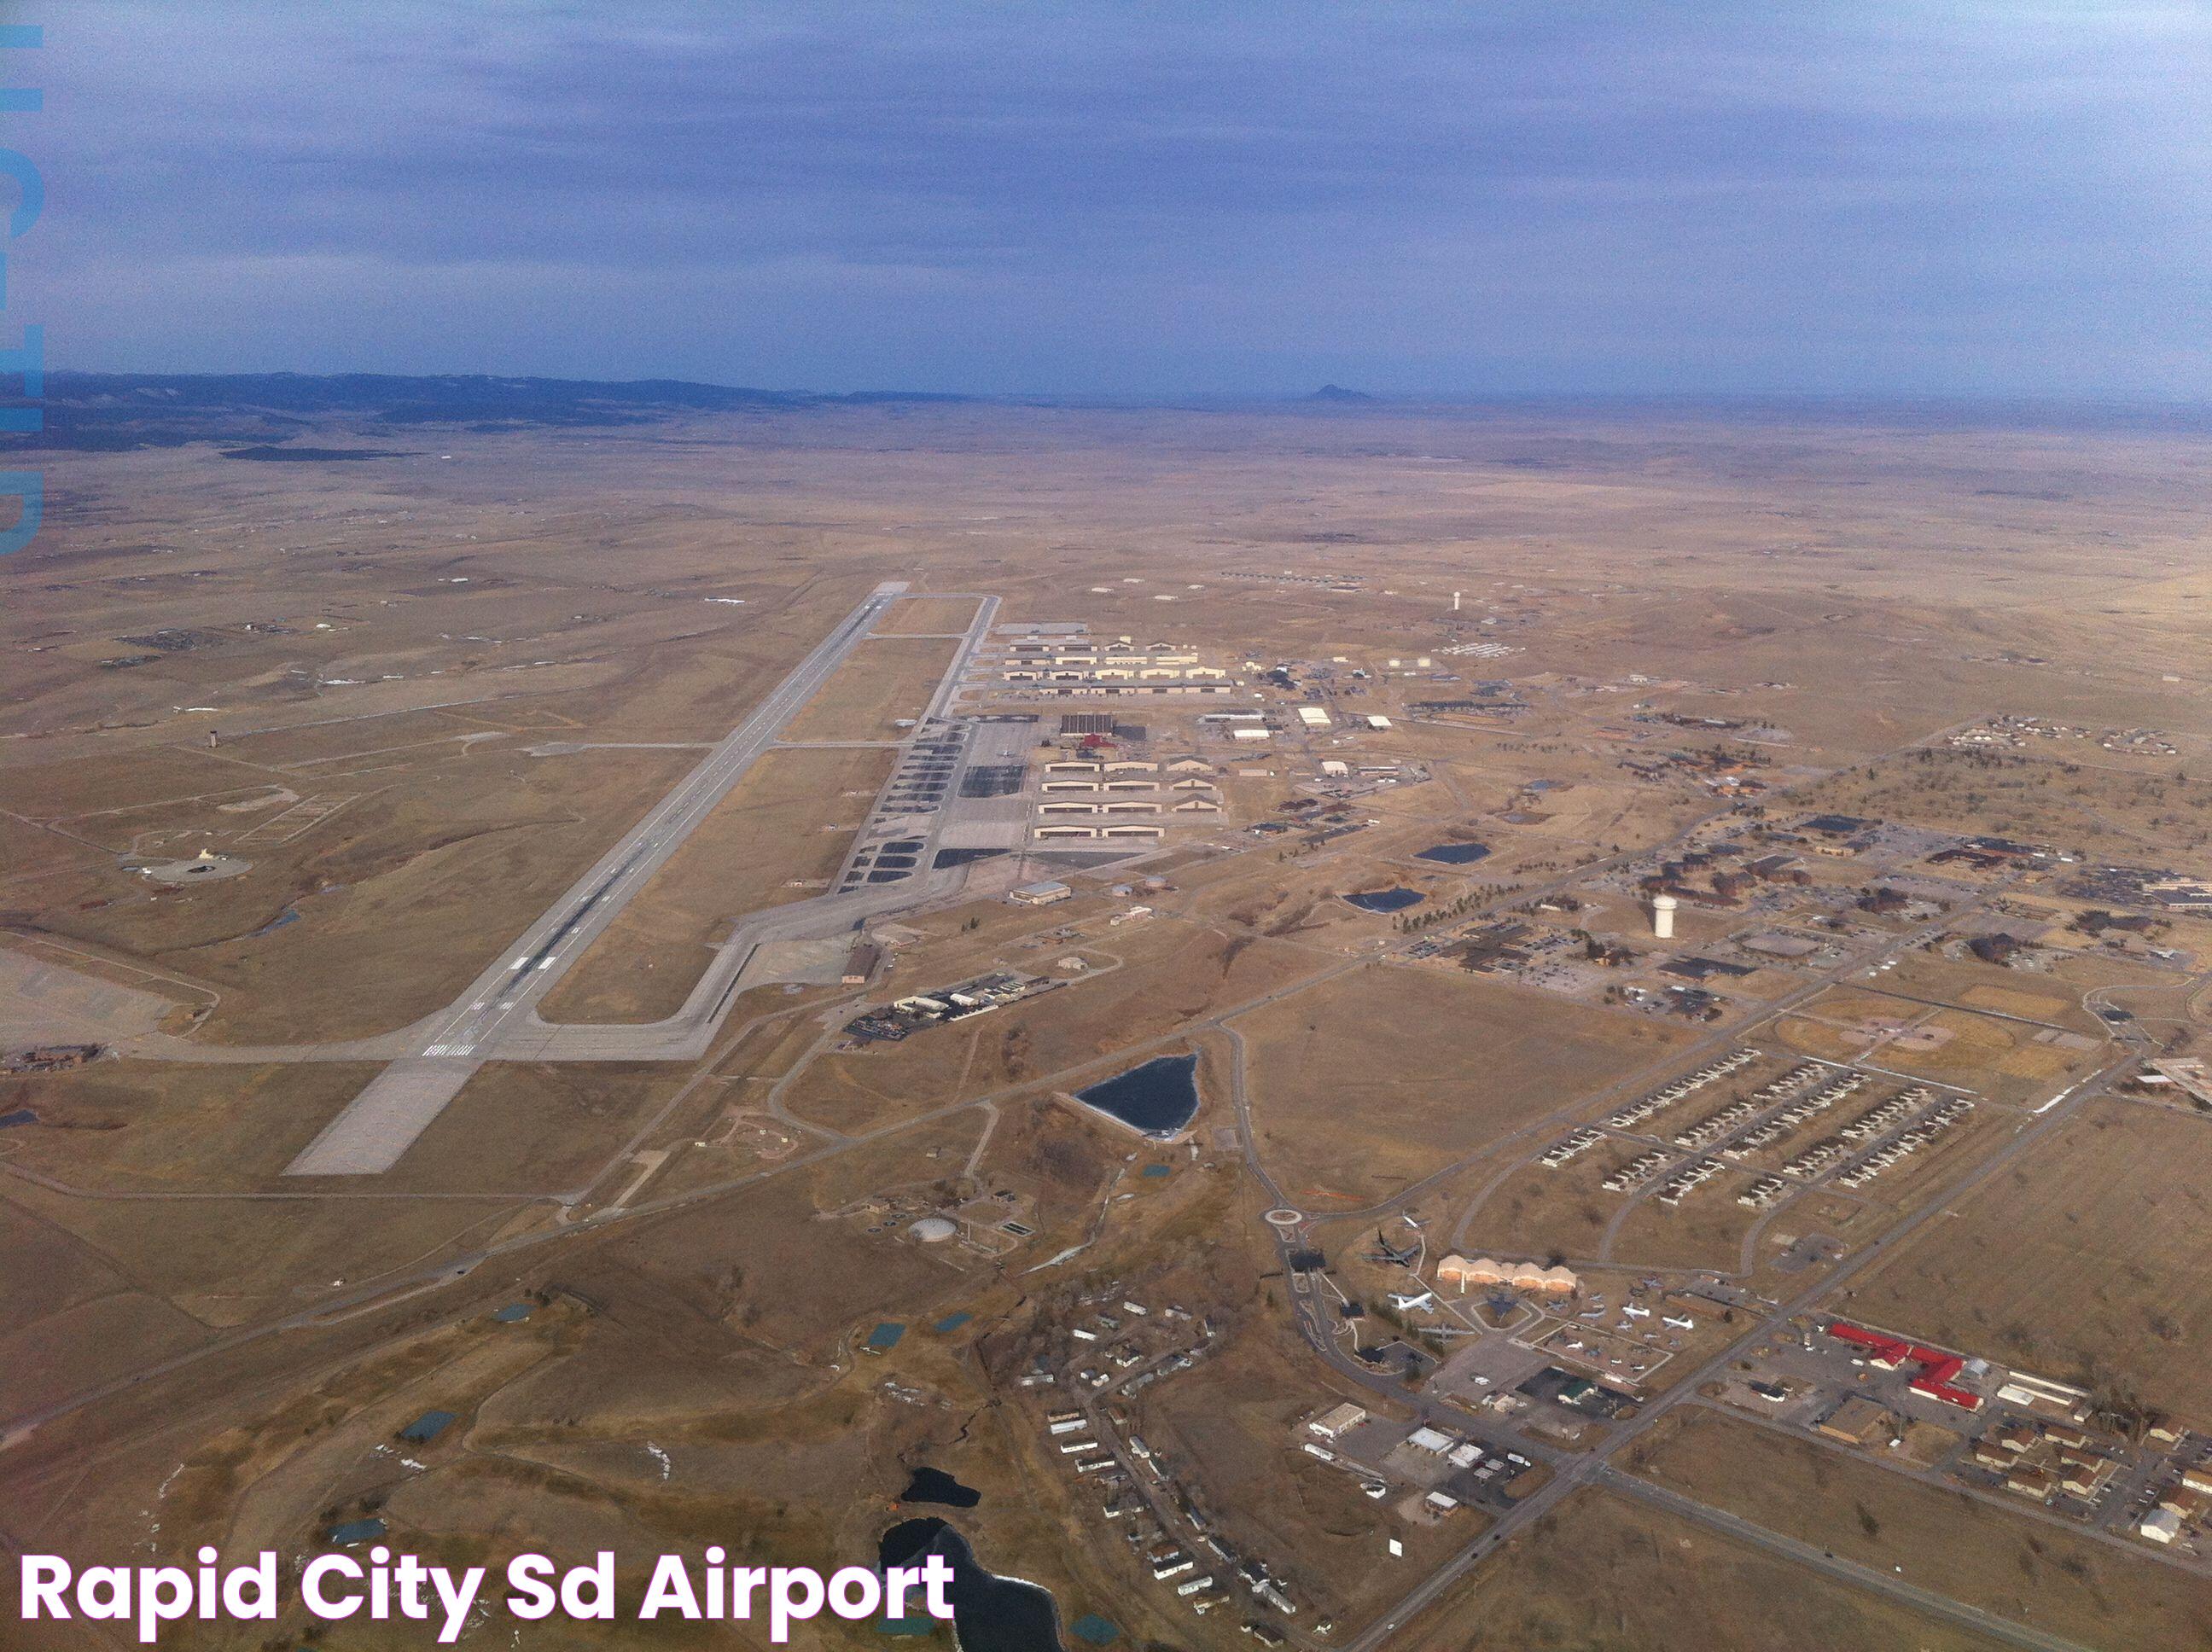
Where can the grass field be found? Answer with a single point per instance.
(882, 681)
(767, 834)
(222, 1263)
(384, 911)
(1383, 1075)
(2090, 1258)
(1603, 1574)
(724, 1271)
(143, 1126)
(927, 616)
(2005, 1059)
(1986, 1557)
(1536, 1212)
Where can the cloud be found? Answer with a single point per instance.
(1428, 197)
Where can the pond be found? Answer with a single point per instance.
(1159, 1098)
(1386, 900)
(989, 1613)
(1455, 854)
(935, 1486)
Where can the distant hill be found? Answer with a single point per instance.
(122, 410)
(1339, 393)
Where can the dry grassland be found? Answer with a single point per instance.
(147, 1127)
(1986, 1557)
(1603, 1572)
(227, 1263)
(768, 1272)
(527, 1127)
(1384, 1076)
(885, 679)
(2090, 1259)
(927, 616)
(1705, 1230)
(384, 911)
(771, 833)
(1541, 1212)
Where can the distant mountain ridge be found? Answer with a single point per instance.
(122, 410)
(1339, 393)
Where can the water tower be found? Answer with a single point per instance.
(1662, 916)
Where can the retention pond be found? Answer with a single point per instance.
(1386, 900)
(1158, 1098)
(989, 1613)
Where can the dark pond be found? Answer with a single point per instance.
(935, 1486)
(1158, 1098)
(989, 1613)
(1455, 854)
(1386, 900)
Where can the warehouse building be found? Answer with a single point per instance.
(1337, 1421)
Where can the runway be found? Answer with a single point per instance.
(497, 1016)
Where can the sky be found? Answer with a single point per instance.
(1119, 200)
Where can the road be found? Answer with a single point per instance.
(1926, 1601)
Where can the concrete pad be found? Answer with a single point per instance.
(43, 1003)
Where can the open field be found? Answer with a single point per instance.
(380, 912)
(1604, 1572)
(1993, 1053)
(778, 837)
(1384, 1076)
(2090, 1261)
(1537, 1211)
(927, 617)
(150, 1126)
(887, 681)
(1705, 1230)
(2029, 1572)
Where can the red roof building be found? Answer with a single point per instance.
(1937, 1368)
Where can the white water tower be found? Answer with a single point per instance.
(1662, 916)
